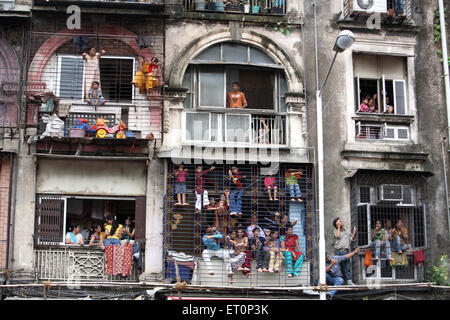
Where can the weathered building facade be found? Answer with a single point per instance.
(13, 29)
(383, 165)
(379, 166)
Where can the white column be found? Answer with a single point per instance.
(154, 237)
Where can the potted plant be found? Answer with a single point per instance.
(200, 4)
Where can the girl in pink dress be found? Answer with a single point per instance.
(270, 183)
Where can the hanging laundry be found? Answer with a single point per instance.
(118, 259)
(368, 258)
(399, 259)
(419, 257)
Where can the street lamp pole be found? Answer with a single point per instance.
(344, 41)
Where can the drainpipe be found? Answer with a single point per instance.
(447, 86)
(444, 161)
(445, 62)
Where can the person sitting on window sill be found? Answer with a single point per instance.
(74, 236)
(95, 95)
(399, 237)
(378, 240)
(212, 247)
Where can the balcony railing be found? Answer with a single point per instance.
(249, 6)
(235, 128)
(386, 8)
(6, 4)
(78, 264)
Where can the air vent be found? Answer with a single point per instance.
(391, 193)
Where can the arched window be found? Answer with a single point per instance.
(212, 72)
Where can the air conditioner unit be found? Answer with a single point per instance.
(370, 6)
(391, 192)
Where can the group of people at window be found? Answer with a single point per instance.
(268, 246)
(145, 78)
(338, 265)
(111, 232)
(231, 200)
(369, 104)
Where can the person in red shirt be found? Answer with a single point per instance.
(199, 187)
(236, 98)
(180, 185)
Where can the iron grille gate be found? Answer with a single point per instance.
(184, 226)
(369, 205)
(49, 222)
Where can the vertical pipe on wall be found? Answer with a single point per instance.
(444, 161)
(321, 205)
(445, 61)
(446, 82)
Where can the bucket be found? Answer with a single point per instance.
(77, 133)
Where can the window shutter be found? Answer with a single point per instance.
(71, 78)
(49, 224)
(283, 89)
(212, 86)
(357, 93)
(400, 97)
(140, 218)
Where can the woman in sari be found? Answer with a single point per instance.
(291, 250)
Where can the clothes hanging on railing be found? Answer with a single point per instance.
(368, 258)
(399, 259)
(118, 259)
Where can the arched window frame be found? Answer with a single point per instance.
(192, 77)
